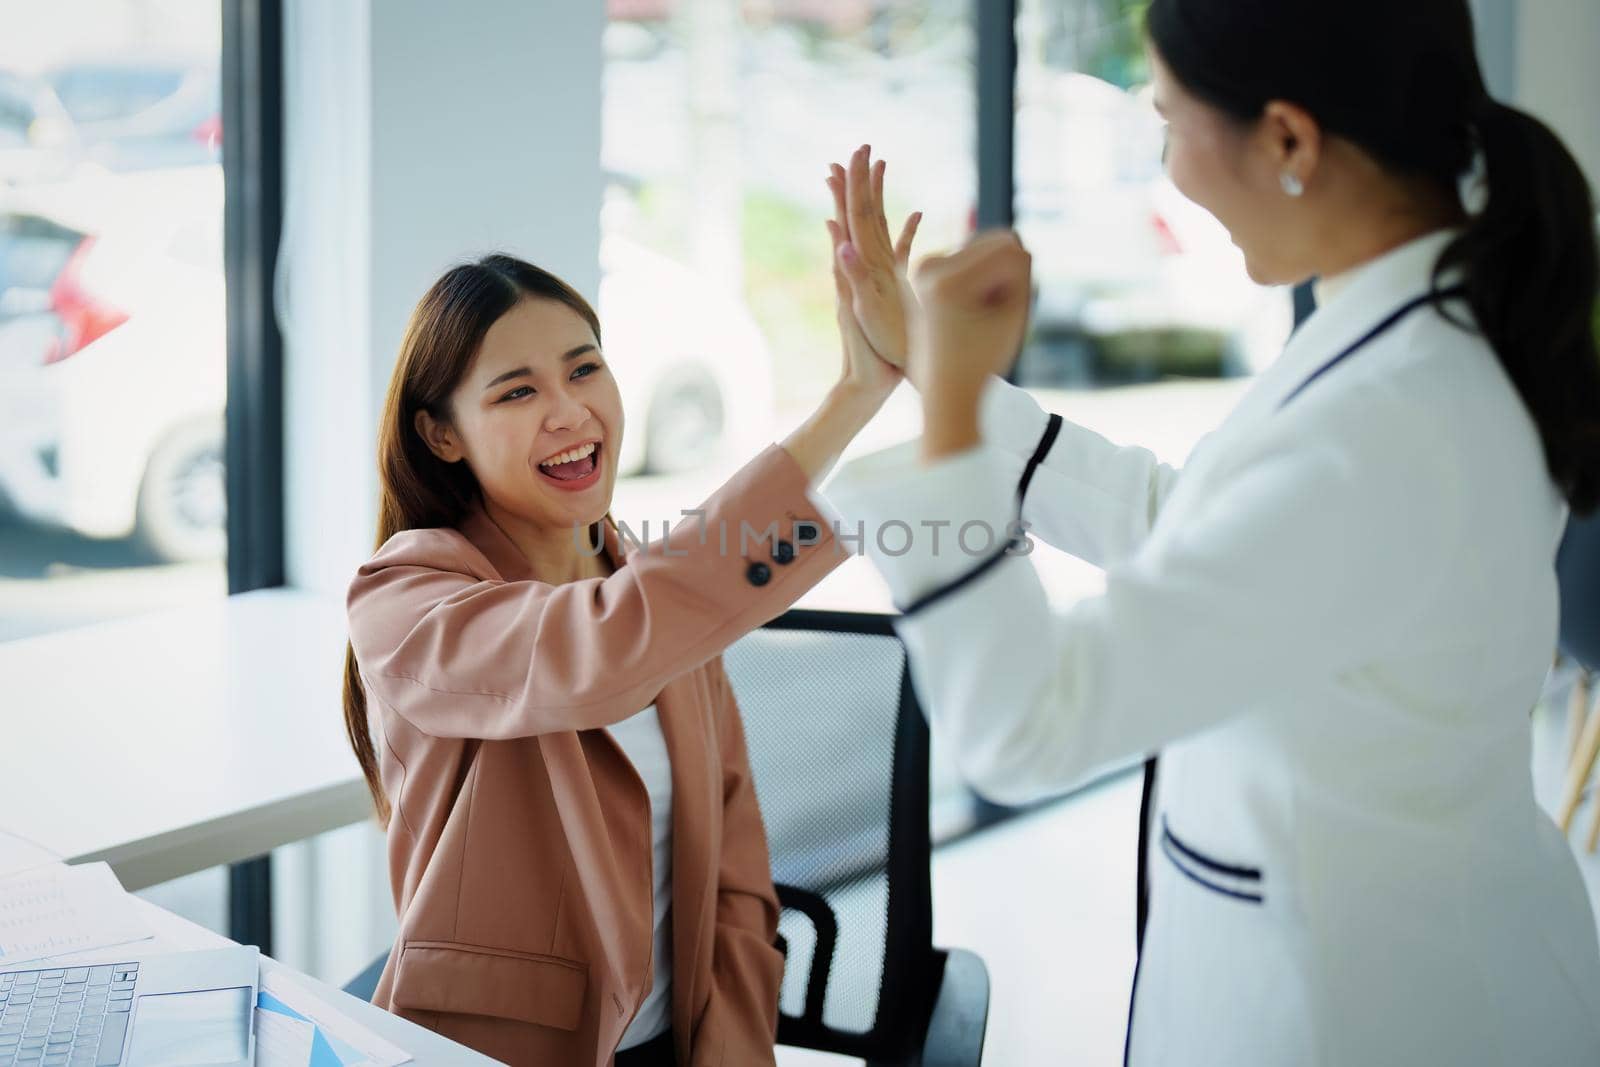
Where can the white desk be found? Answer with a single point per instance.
(174, 742)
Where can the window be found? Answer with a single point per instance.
(113, 347)
(720, 120)
(114, 343)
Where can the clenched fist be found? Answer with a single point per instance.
(972, 314)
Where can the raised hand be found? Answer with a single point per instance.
(873, 265)
(862, 364)
(867, 378)
(974, 311)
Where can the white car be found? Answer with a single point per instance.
(694, 368)
(112, 416)
(125, 398)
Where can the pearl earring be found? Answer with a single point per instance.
(1291, 184)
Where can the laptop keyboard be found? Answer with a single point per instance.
(62, 1016)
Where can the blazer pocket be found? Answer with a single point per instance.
(448, 976)
(1229, 879)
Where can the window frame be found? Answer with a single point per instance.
(252, 167)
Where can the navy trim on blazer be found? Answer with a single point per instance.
(1248, 874)
(1052, 428)
(1175, 858)
(1433, 296)
(933, 596)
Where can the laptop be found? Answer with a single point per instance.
(181, 1009)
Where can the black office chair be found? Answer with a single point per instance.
(839, 751)
(1578, 579)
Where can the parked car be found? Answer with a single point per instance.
(33, 251)
(694, 368)
(125, 430)
(111, 399)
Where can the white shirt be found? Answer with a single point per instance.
(1325, 289)
(640, 737)
(1332, 623)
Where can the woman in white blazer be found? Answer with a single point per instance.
(1332, 623)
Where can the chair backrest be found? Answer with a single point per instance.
(1578, 575)
(839, 753)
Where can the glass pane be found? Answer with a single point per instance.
(720, 120)
(717, 299)
(112, 336)
(1146, 327)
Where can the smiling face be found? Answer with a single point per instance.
(1234, 168)
(537, 417)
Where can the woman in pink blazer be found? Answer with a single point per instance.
(541, 712)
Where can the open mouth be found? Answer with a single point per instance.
(576, 468)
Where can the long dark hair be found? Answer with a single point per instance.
(416, 489)
(1402, 81)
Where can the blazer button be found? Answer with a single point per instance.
(758, 573)
(807, 533)
(783, 552)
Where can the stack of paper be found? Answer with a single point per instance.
(50, 910)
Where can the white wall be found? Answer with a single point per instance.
(1496, 25)
(485, 137)
(1558, 72)
(418, 135)
(1544, 57)
(324, 301)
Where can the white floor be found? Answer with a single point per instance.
(1047, 901)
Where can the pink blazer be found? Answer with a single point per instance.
(519, 845)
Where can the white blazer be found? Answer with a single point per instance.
(1333, 624)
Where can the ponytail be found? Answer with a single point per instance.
(1529, 260)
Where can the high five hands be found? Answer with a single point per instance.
(869, 270)
(951, 323)
(876, 361)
